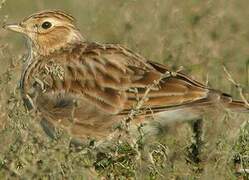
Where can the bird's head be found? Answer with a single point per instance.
(48, 30)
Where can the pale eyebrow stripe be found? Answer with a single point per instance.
(48, 14)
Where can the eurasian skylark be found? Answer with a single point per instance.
(87, 88)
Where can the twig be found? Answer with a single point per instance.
(124, 126)
(237, 85)
(140, 103)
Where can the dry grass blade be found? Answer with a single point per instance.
(140, 102)
(237, 85)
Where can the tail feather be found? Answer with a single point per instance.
(233, 105)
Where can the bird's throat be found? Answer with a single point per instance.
(45, 45)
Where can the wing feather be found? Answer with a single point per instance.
(114, 79)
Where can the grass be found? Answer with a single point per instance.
(201, 36)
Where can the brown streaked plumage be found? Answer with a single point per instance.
(86, 88)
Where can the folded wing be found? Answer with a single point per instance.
(114, 80)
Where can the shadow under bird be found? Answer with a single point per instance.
(87, 88)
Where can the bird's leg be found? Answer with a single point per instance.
(48, 128)
(28, 102)
(194, 150)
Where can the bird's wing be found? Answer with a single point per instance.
(115, 80)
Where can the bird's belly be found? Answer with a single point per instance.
(178, 115)
(159, 123)
(82, 119)
(78, 117)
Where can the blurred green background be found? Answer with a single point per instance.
(201, 36)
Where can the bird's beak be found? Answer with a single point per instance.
(14, 27)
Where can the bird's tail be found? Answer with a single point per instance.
(233, 105)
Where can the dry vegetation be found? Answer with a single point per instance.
(201, 36)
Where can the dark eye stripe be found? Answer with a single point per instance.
(46, 25)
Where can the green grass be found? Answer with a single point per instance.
(201, 36)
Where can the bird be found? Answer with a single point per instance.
(88, 89)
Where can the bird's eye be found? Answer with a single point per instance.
(46, 25)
